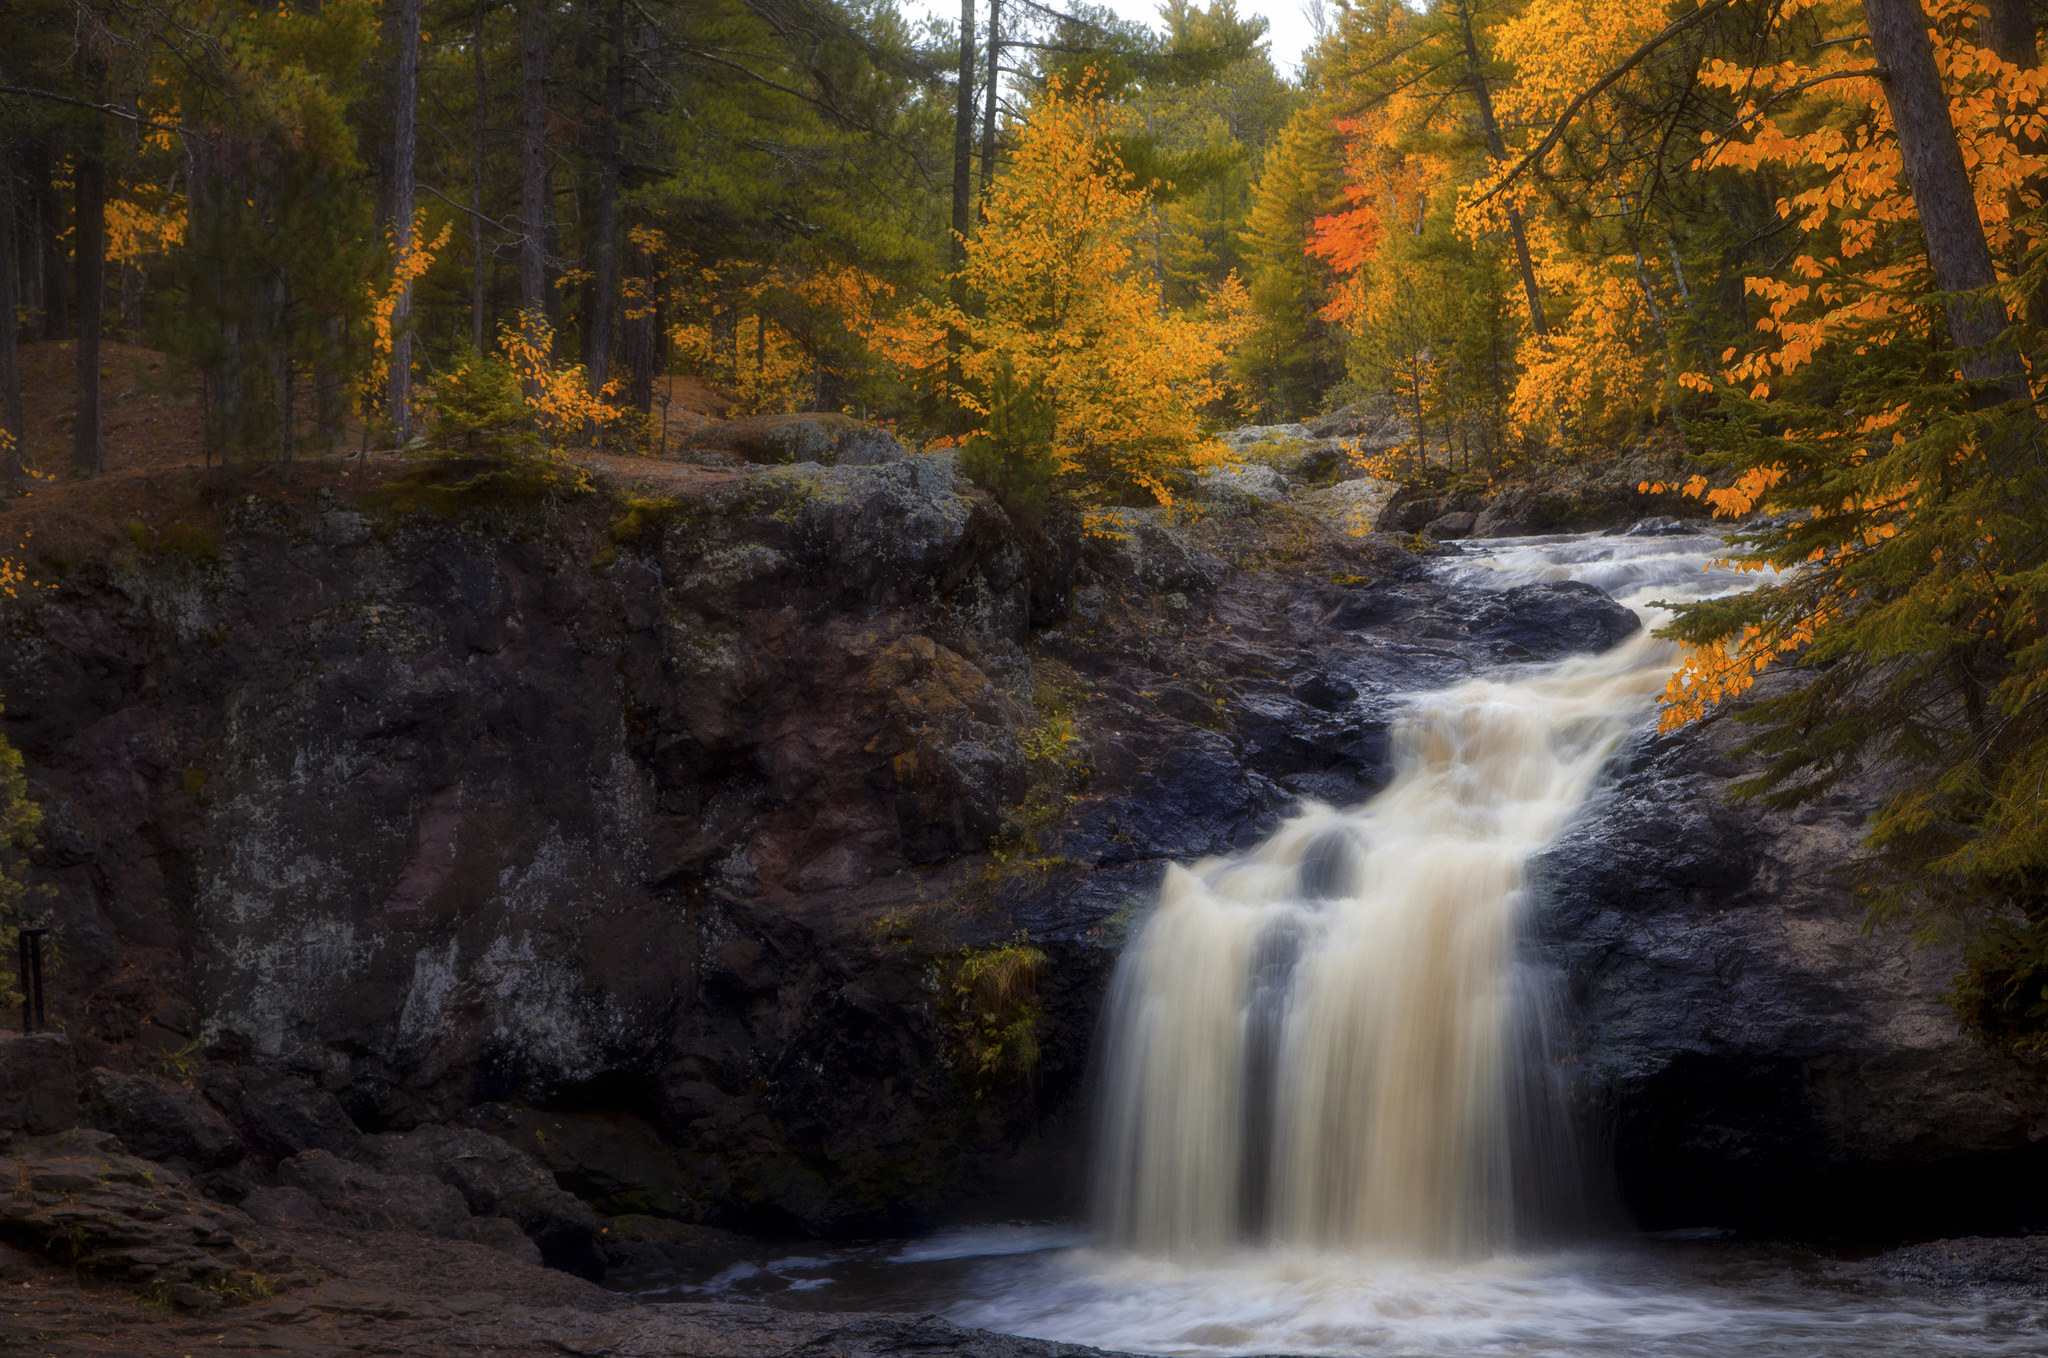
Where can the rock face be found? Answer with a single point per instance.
(648, 836)
(38, 1084)
(159, 1120)
(1754, 1056)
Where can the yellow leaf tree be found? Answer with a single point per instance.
(1065, 313)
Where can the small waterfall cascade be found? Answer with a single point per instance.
(1331, 1041)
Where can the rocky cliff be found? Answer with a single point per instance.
(666, 831)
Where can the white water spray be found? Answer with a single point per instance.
(1329, 1041)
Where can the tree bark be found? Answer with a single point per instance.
(533, 165)
(50, 227)
(1497, 148)
(479, 272)
(13, 477)
(405, 140)
(604, 248)
(639, 327)
(963, 149)
(994, 47)
(89, 255)
(1956, 247)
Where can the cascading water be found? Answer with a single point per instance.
(1328, 1099)
(1329, 1041)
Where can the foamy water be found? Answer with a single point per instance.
(1330, 1041)
(1331, 1124)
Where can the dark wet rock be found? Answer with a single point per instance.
(2013, 1266)
(374, 1199)
(1325, 692)
(284, 1207)
(38, 1084)
(613, 1160)
(1658, 526)
(504, 1235)
(497, 1180)
(1754, 1056)
(159, 1119)
(80, 1200)
(1457, 524)
(662, 1246)
(280, 1112)
(1559, 618)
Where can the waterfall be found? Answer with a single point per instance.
(1332, 1040)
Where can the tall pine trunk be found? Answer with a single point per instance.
(994, 47)
(50, 232)
(963, 149)
(1497, 148)
(1942, 195)
(639, 326)
(405, 139)
(13, 476)
(533, 165)
(604, 248)
(479, 268)
(89, 255)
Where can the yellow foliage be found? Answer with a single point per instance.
(1066, 310)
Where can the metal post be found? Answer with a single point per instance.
(30, 945)
(35, 966)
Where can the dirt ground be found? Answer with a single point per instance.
(157, 481)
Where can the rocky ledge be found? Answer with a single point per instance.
(643, 853)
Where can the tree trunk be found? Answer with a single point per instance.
(604, 248)
(13, 426)
(1497, 148)
(639, 326)
(50, 227)
(478, 268)
(404, 146)
(994, 47)
(533, 165)
(89, 254)
(963, 149)
(1942, 195)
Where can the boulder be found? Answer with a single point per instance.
(1559, 618)
(833, 440)
(613, 1160)
(79, 1199)
(282, 1113)
(374, 1199)
(159, 1119)
(1752, 1055)
(1352, 506)
(1230, 488)
(496, 1179)
(38, 1084)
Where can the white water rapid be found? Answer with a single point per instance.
(1329, 1041)
(1331, 1125)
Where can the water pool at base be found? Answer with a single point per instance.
(1642, 1297)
